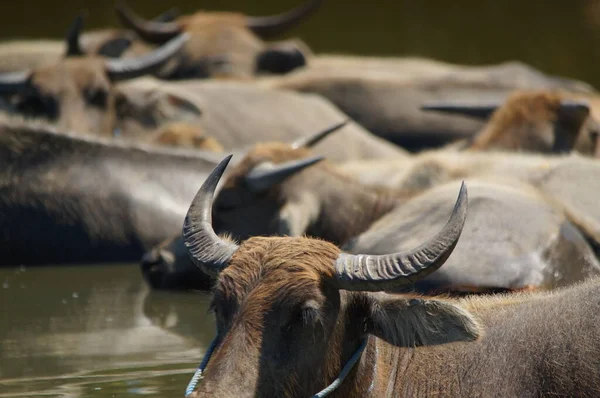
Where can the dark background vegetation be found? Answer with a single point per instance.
(560, 37)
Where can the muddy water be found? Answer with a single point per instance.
(97, 331)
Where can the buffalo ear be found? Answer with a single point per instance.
(412, 322)
(282, 57)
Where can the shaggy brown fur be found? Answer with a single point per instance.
(284, 329)
(533, 121)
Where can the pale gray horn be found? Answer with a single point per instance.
(12, 82)
(266, 175)
(151, 31)
(386, 272)
(209, 252)
(73, 35)
(309, 142)
(276, 24)
(130, 68)
(478, 111)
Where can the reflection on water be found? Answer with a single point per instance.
(97, 331)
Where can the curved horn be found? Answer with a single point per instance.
(73, 34)
(265, 175)
(13, 82)
(151, 31)
(275, 24)
(309, 142)
(479, 111)
(129, 68)
(207, 250)
(385, 272)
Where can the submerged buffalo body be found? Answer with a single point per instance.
(385, 95)
(239, 115)
(70, 199)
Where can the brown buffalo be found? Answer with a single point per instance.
(291, 312)
(226, 43)
(385, 94)
(78, 93)
(532, 121)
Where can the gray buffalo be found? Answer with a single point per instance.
(240, 114)
(298, 317)
(385, 95)
(72, 199)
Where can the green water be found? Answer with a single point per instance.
(97, 331)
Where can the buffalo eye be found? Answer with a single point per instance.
(307, 314)
(97, 97)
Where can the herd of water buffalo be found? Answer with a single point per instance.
(324, 244)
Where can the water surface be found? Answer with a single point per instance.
(97, 331)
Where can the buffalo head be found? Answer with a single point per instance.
(78, 93)
(532, 121)
(291, 311)
(226, 43)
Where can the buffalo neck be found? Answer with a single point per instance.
(349, 208)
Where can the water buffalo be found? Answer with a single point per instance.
(533, 121)
(17, 55)
(277, 189)
(78, 93)
(385, 95)
(240, 114)
(226, 43)
(296, 316)
(71, 199)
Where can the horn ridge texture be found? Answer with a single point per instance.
(207, 250)
(385, 272)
